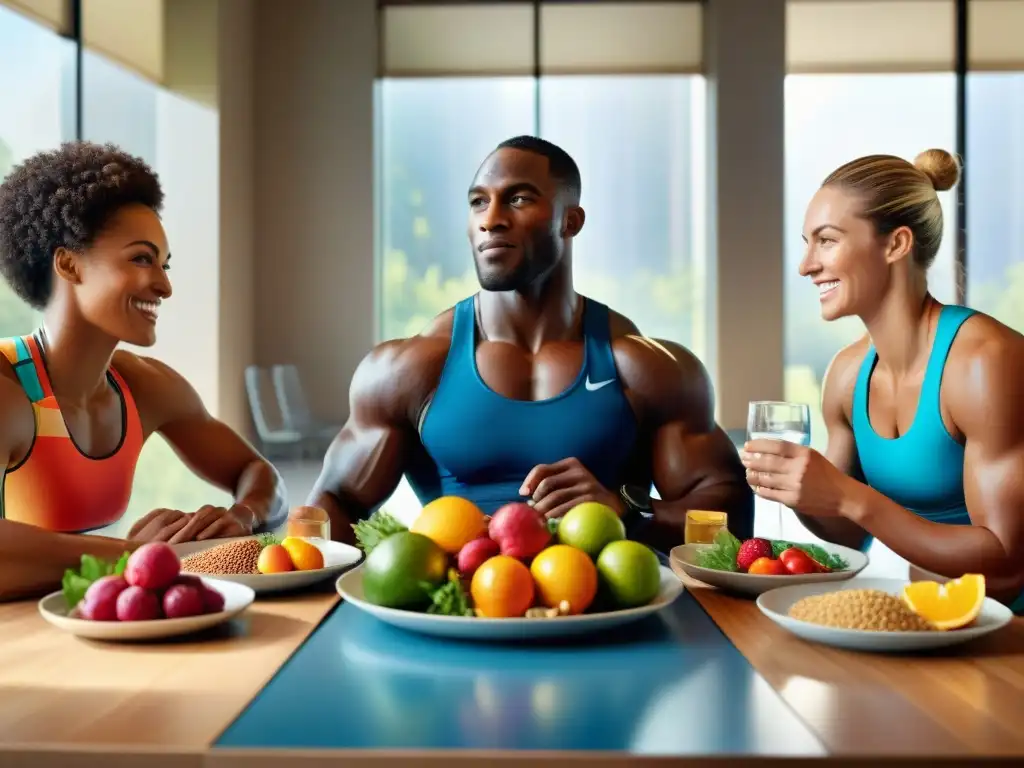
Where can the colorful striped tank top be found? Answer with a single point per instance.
(57, 486)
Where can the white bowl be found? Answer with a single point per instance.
(350, 587)
(337, 558)
(685, 556)
(776, 604)
(237, 597)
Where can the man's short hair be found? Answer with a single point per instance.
(561, 166)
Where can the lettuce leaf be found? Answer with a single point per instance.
(76, 583)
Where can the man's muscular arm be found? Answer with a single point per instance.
(367, 459)
(694, 463)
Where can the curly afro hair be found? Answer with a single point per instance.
(64, 198)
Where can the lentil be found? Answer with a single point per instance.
(866, 609)
(232, 557)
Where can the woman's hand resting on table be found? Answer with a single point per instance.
(797, 476)
(208, 522)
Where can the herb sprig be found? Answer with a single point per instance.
(450, 599)
(376, 528)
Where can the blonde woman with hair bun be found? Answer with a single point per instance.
(925, 413)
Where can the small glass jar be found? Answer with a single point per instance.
(702, 526)
(309, 523)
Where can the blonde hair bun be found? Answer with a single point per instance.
(940, 167)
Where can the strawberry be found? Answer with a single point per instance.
(751, 550)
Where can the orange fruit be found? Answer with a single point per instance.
(451, 523)
(952, 605)
(565, 573)
(274, 559)
(305, 556)
(502, 588)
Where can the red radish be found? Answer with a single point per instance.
(181, 601)
(213, 600)
(152, 566)
(137, 604)
(100, 600)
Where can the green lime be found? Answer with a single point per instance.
(630, 573)
(590, 526)
(395, 571)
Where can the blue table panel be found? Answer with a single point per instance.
(672, 684)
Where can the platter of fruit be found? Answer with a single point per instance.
(457, 573)
(267, 563)
(887, 615)
(142, 596)
(756, 565)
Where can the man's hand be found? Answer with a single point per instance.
(556, 488)
(209, 522)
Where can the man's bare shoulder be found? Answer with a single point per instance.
(670, 380)
(397, 376)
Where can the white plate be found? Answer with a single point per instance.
(350, 587)
(685, 556)
(776, 604)
(237, 597)
(337, 558)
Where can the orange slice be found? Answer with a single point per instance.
(952, 605)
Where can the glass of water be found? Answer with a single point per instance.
(771, 420)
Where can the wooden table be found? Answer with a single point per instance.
(72, 703)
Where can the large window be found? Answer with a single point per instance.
(638, 141)
(831, 119)
(434, 133)
(995, 194)
(37, 111)
(173, 136)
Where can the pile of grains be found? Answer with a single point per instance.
(231, 557)
(868, 609)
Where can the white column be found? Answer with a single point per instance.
(745, 51)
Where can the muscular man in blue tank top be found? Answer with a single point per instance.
(925, 414)
(529, 391)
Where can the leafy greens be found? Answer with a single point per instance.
(76, 583)
(721, 555)
(376, 528)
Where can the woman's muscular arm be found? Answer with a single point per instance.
(842, 450)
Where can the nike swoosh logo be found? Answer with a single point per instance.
(597, 385)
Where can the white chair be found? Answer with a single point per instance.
(295, 410)
(275, 438)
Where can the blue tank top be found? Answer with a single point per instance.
(922, 470)
(481, 445)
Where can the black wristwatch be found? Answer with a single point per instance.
(637, 501)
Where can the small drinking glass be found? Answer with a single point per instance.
(770, 420)
(702, 526)
(309, 523)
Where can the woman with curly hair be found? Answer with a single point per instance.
(81, 240)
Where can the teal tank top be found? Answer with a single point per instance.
(922, 470)
(481, 445)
